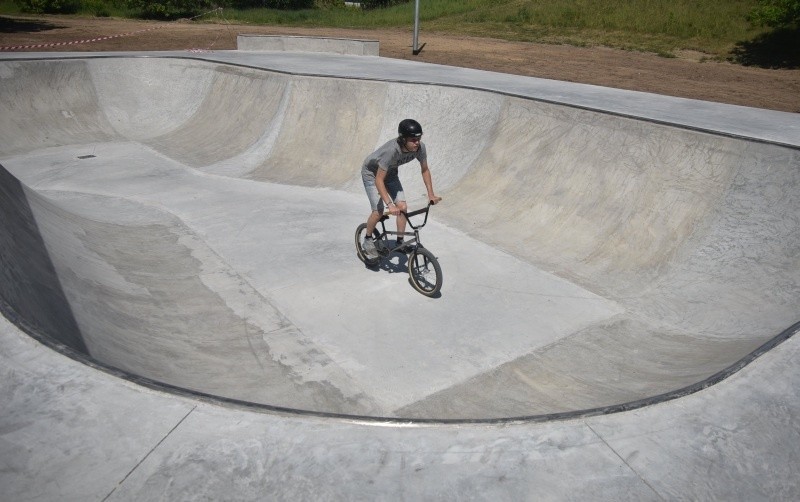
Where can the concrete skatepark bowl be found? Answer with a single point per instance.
(187, 223)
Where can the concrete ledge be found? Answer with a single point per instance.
(307, 44)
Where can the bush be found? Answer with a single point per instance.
(377, 4)
(97, 8)
(273, 4)
(170, 9)
(50, 6)
(328, 4)
(777, 13)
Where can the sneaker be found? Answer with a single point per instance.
(369, 248)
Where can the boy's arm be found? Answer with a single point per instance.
(426, 177)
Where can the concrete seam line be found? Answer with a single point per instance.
(149, 452)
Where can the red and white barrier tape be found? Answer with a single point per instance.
(74, 42)
(98, 39)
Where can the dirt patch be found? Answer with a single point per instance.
(689, 74)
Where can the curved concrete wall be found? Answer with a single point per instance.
(693, 235)
(29, 282)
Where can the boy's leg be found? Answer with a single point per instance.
(399, 197)
(401, 220)
(372, 221)
(375, 203)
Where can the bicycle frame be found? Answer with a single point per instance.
(424, 272)
(383, 234)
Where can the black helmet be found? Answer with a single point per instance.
(409, 128)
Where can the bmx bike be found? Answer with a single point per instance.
(424, 271)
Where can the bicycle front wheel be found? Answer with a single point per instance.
(424, 272)
(361, 232)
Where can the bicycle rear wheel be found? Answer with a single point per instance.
(424, 272)
(361, 232)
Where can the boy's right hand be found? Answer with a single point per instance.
(393, 210)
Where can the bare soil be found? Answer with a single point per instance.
(689, 75)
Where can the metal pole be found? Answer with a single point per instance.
(416, 28)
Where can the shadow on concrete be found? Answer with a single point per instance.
(30, 289)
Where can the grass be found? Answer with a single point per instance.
(660, 26)
(714, 27)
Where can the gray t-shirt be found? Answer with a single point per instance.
(389, 157)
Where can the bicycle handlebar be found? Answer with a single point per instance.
(408, 216)
(418, 211)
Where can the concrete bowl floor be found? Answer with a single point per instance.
(190, 222)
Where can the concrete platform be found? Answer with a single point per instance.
(179, 228)
(270, 43)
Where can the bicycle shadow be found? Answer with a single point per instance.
(396, 263)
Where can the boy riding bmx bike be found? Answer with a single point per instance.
(382, 184)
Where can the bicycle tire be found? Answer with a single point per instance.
(424, 272)
(361, 232)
